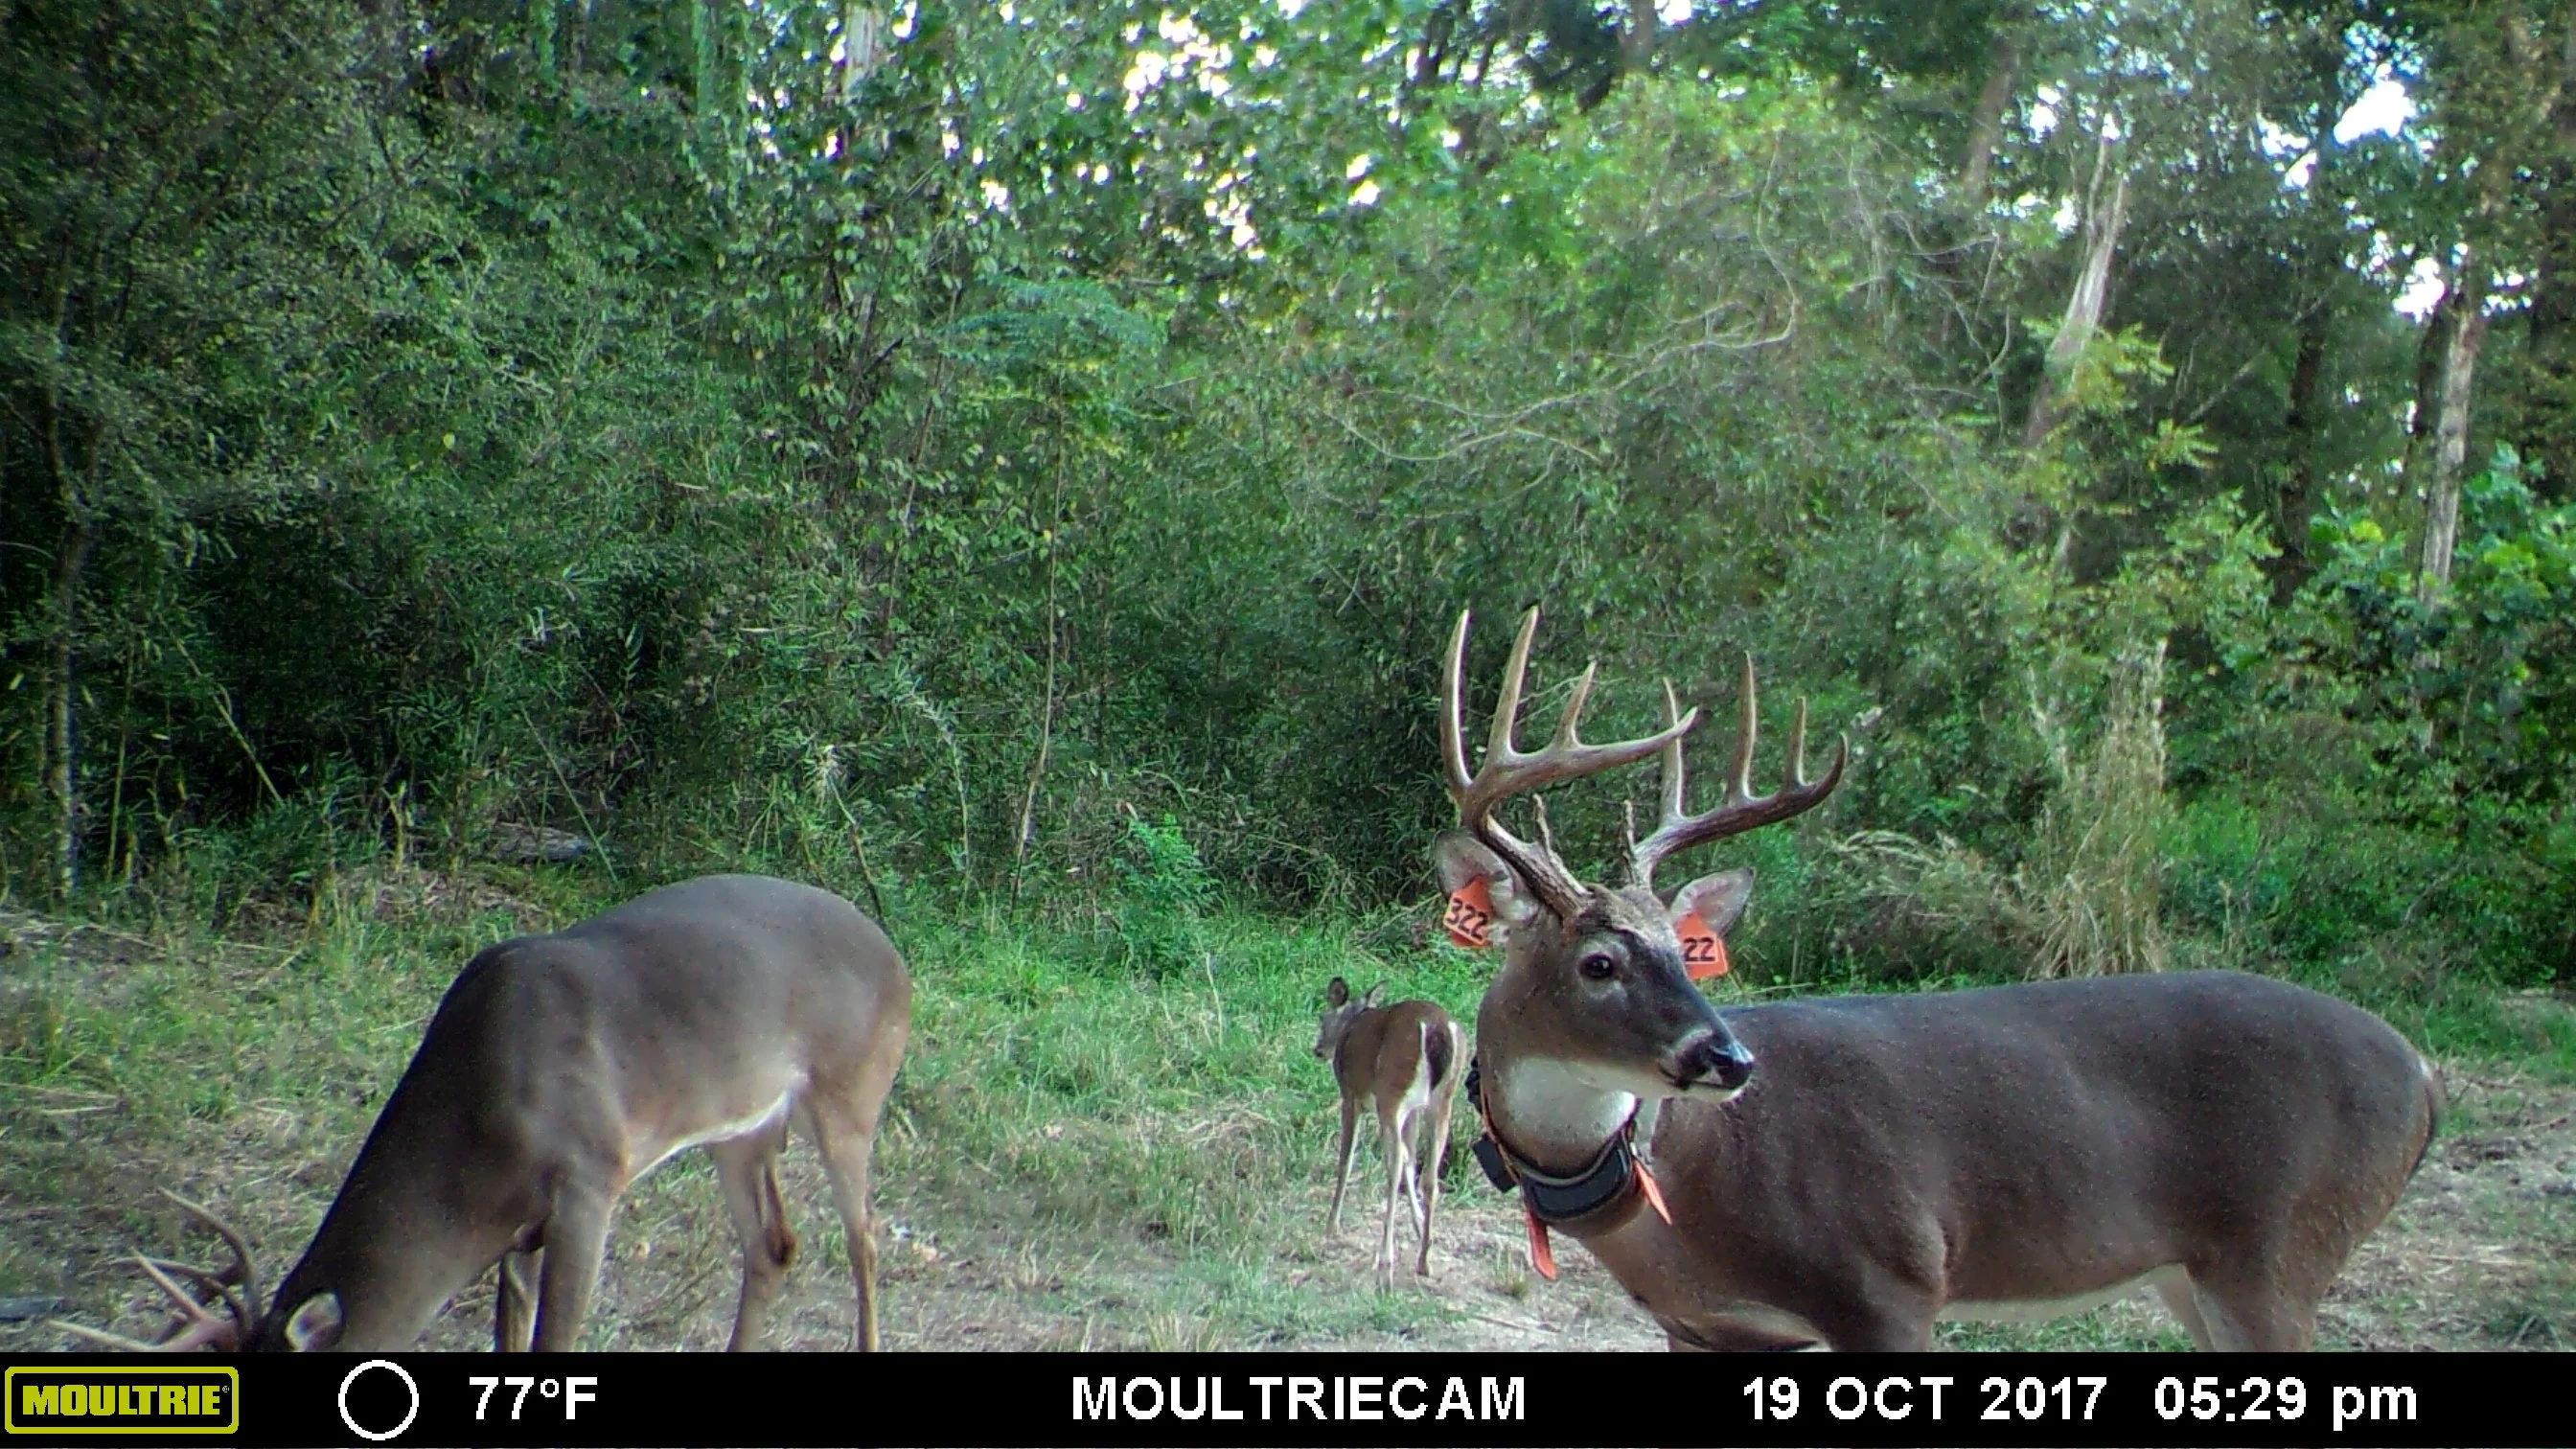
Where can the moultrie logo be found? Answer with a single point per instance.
(121, 1399)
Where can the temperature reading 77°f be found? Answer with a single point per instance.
(575, 1391)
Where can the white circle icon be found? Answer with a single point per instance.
(408, 1414)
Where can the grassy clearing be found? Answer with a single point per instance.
(1057, 1098)
(1108, 1133)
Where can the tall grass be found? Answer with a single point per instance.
(2086, 897)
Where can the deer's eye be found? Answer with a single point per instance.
(1597, 967)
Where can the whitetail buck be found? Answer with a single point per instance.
(1844, 1172)
(558, 1071)
(1402, 1060)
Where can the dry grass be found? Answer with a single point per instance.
(2085, 899)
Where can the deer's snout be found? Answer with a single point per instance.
(1713, 1058)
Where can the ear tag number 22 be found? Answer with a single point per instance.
(1470, 919)
(1703, 950)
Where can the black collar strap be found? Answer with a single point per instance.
(1609, 1181)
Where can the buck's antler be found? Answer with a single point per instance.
(197, 1326)
(1741, 810)
(1506, 771)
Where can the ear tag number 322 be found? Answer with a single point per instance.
(1470, 917)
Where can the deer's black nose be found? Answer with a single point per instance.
(1720, 1058)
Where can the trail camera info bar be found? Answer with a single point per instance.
(638, 1401)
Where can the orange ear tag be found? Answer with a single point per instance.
(1703, 950)
(1541, 1257)
(1470, 917)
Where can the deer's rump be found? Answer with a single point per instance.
(2026, 1144)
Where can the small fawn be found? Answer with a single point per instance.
(1405, 1061)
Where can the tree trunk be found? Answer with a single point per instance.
(2102, 224)
(2549, 414)
(1986, 128)
(62, 777)
(541, 39)
(862, 44)
(2451, 430)
(71, 558)
(2297, 502)
(1637, 46)
(702, 39)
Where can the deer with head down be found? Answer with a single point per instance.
(558, 1071)
(1844, 1172)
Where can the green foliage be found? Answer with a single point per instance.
(635, 421)
(1164, 893)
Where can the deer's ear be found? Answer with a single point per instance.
(1337, 993)
(1717, 899)
(315, 1324)
(1373, 993)
(1464, 859)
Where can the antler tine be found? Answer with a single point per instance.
(196, 1326)
(1741, 810)
(1740, 788)
(1641, 864)
(101, 1335)
(1672, 767)
(1507, 771)
(213, 1282)
(1564, 738)
(1507, 711)
(195, 1310)
(241, 1256)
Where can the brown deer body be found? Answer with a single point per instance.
(560, 1069)
(1846, 1172)
(1404, 1062)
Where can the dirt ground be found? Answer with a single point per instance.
(2480, 1254)
(2477, 1256)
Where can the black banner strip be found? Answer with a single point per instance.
(645, 1401)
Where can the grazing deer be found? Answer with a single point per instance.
(558, 1071)
(1843, 1172)
(1403, 1060)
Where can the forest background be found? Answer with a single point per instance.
(1018, 464)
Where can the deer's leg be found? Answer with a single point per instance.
(2246, 1311)
(748, 1168)
(1881, 1331)
(1435, 1149)
(845, 1130)
(2174, 1287)
(514, 1311)
(576, 1239)
(1870, 1311)
(1413, 1169)
(850, 1194)
(1342, 1173)
(1391, 1124)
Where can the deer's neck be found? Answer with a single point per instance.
(400, 1240)
(1548, 1115)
